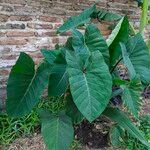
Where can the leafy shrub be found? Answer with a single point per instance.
(84, 72)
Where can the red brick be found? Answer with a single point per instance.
(3, 18)
(43, 26)
(2, 34)
(5, 50)
(102, 27)
(12, 41)
(31, 25)
(50, 19)
(9, 57)
(59, 40)
(21, 18)
(47, 34)
(4, 72)
(19, 34)
(106, 33)
(55, 40)
(39, 26)
(36, 55)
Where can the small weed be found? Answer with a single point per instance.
(12, 128)
(132, 143)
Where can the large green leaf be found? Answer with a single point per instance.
(50, 55)
(75, 21)
(58, 80)
(90, 83)
(57, 130)
(72, 110)
(127, 61)
(90, 42)
(124, 122)
(140, 57)
(25, 85)
(131, 96)
(78, 43)
(95, 41)
(108, 16)
(119, 34)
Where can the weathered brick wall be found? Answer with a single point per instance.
(29, 25)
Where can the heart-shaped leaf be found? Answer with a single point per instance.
(95, 41)
(57, 130)
(139, 56)
(75, 21)
(90, 83)
(25, 85)
(119, 34)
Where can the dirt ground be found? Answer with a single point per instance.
(90, 134)
(36, 143)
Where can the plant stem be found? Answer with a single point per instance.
(116, 65)
(143, 20)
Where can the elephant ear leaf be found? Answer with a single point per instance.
(72, 110)
(131, 96)
(96, 42)
(50, 55)
(124, 122)
(58, 80)
(93, 79)
(25, 85)
(127, 62)
(75, 21)
(108, 16)
(57, 130)
(119, 34)
(139, 56)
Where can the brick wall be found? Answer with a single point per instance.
(29, 25)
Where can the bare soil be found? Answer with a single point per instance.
(91, 136)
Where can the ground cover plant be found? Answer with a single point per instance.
(144, 126)
(84, 73)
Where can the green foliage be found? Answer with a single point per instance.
(139, 57)
(125, 123)
(116, 136)
(74, 113)
(119, 34)
(61, 129)
(129, 142)
(81, 75)
(23, 93)
(131, 96)
(108, 16)
(12, 128)
(81, 19)
(95, 41)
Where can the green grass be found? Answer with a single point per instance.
(12, 128)
(132, 143)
